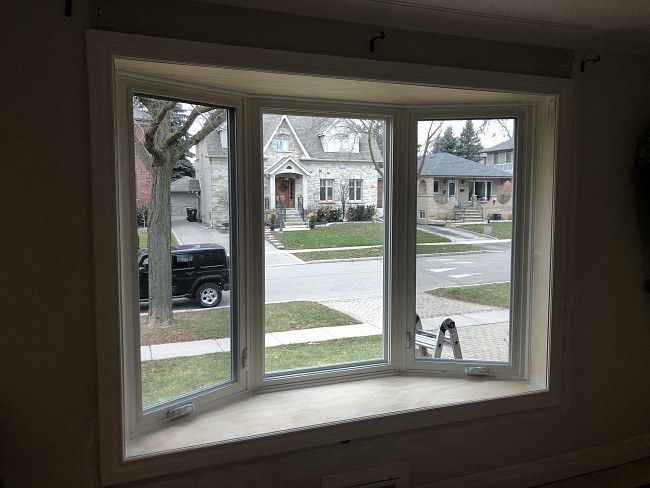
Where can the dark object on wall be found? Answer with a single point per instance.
(372, 41)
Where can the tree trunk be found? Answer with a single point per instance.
(160, 265)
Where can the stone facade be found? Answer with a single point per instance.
(299, 152)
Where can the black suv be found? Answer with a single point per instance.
(199, 271)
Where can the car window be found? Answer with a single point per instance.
(181, 261)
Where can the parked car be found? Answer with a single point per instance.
(199, 271)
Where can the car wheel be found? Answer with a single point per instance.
(208, 295)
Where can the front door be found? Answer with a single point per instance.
(451, 187)
(285, 188)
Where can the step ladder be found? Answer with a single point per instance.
(435, 340)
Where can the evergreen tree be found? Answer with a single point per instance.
(183, 168)
(469, 143)
(447, 143)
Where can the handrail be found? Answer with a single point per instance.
(301, 209)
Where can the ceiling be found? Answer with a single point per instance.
(574, 24)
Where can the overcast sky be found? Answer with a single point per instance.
(492, 136)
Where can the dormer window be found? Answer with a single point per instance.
(341, 142)
(281, 141)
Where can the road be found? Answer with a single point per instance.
(362, 278)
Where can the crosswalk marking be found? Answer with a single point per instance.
(464, 275)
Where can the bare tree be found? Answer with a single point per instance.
(344, 191)
(166, 139)
(432, 132)
(495, 126)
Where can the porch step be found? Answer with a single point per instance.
(293, 218)
(468, 214)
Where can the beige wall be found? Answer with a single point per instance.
(49, 434)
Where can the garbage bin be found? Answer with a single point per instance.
(496, 216)
(191, 214)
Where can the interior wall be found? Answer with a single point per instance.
(49, 434)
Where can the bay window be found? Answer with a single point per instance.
(373, 336)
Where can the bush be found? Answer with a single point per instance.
(329, 214)
(361, 212)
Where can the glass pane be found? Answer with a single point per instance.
(182, 168)
(464, 232)
(324, 253)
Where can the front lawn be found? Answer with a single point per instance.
(215, 323)
(375, 252)
(494, 294)
(500, 230)
(168, 378)
(344, 235)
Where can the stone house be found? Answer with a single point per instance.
(500, 156)
(309, 163)
(450, 186)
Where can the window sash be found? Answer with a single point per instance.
(326, 189)
(355, 190)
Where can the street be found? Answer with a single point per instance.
(319, 280)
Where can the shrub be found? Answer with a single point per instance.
(334, 214)
(361, 212)
(329, 214)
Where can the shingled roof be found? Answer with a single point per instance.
(508, 145)
(450, 165)
(307, 129)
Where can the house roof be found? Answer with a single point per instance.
(307, 129)
(445, 164)
(508, 145)
(181, 185)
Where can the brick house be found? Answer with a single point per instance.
(449, 186)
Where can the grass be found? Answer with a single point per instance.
(143, 239)
(500, 230)
(494, 294)
(375, 252)
(344, 235)
(215, 323)
(168, 378)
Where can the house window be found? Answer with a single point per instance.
(139, 398)
(422, 214)
(281, 142)
(509, 157)
(319, 310)
(436, 186)
(463, 279)
(326, 189)
(481, 189)
(496, 158)
(355, 190)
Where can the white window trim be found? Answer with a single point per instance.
(329, 188)
(119, 461)
(356, 188)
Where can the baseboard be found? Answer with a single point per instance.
(547, 470)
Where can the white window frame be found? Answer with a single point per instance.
(538, 376)
(326, 184)
(422, 214)
(355, 188)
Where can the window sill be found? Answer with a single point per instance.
(277, 421)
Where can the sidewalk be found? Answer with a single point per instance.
(483, 331)
(469, 325)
